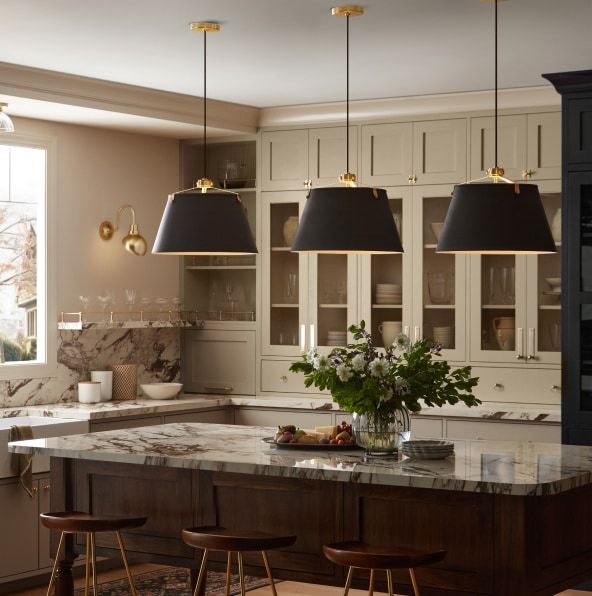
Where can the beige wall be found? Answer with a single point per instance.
(97, 171)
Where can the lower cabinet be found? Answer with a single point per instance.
(221, 416)
(262, 417)
(276, 377)
(427, 428)
(503, 431)
(122, 424)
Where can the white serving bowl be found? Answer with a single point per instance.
(161, 390)
(554, 282)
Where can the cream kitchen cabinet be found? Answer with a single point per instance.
(529, 145)
(307, 300)
(428, 152)
(290, 158)
(274, 418)
(515, 310)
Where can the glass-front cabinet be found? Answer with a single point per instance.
(515, 300)
(438, 279)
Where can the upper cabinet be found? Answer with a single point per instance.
(529, 146)
(428, 152)
(291, 158)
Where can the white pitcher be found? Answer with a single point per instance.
(504, 329)
(389, 331)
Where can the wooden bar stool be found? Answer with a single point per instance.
(74, 522)
(359, 555)
(219, 539)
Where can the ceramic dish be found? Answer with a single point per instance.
(161, 390)
(428, 449)
(304, 447)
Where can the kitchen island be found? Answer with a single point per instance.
(514, 517)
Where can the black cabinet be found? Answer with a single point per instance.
(576, 405)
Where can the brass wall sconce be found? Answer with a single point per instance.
(133, 241)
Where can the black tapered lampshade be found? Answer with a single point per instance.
(212, 223)
(495, 219)
(347, 220)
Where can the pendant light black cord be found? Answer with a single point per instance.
(496, 164)
(205, 103)
(347, 94)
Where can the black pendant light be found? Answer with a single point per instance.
(204, 220)
(347, 219)
(497, 216)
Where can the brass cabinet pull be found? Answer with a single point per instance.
(556, 388)
(284, 379)
(46, 487)
(527, 174)
(307, 184)
(412, 179)
(498, 387)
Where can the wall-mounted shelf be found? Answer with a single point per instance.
(283, 305)
(219, 267)
(332, 305)
(281, 248)
(387, 306)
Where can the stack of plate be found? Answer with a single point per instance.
(336, 338)
(444, 336)
(388, 294)
(428, 449)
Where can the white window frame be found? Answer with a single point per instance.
(46, 365)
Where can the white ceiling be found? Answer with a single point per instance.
(285, 52)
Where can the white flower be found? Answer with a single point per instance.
(386, 396)
(321, 363)
(358, 362)
(401, 386)
(311, 355)
(402, 342)
(378, 367)
(344, 373)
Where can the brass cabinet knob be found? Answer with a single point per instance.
(284, 379)
(555, 388)
(307, 184)
(526, 174)
(412, 179)
(519, 356)
(46, 487)
(498, 387)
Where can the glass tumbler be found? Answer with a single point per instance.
(438, 287)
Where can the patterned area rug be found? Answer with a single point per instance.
(174, 581)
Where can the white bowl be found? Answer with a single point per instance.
(161, 390)
(554, 282)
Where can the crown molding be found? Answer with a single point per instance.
(386, 109)
(74, 90)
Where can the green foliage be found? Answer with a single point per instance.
(12, 351)
(409, 375)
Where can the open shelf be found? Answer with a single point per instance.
(332, 305)
(439, 306)
(387, 306)
(281, 248)
(284, 305)
(498, 306)
(218, 267)
(550, 307)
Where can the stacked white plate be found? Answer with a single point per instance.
(428, 449)
(336, 338)
(388, 294)
(444, 336)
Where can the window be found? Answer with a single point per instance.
(24, 338)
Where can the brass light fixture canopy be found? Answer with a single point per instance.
(133, 241)
(204, 220)
(494, 215)
(6, 123)
(347, 219)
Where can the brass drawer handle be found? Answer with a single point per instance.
(412, 179)
(284, 379)
(46, 487)
(498, 387)
(527, 174)
(556, 388)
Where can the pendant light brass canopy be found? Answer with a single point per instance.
(204, 220)
(347, 219)
(494, 215)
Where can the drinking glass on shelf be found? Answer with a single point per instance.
(438, 287)
(130, 298)
(494, 283)
(106, 302)
(291, 283)
(176, 308)
(507, 280)
(162, 307)
(145, 304)
(84, 304)
(555, 333)
(214, 297)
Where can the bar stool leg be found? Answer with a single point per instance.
(55, 563)
(268, 569)
(414, 582)
(93, 550)
(228, 570)
(348, 581)
(87, 566)
(241, 573)
(371, 588)
(389, 582)
(130, 578)
(203, 570)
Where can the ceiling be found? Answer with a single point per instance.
(288, 52)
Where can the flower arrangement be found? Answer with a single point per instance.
(407, 376)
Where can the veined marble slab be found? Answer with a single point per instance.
(503, 467)
(192, 402)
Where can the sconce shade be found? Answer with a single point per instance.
(134, 243)
(211, 223)
(495, 219)
(6, 124)
(342, 220)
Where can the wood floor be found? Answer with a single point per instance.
(284, 589)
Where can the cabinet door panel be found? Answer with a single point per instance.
(386, 155)
(276, 377)
(284, 155)
(579, 130)
(44, 493)
(19, 535)
(209, 416)
(544, 145)
(275, 418)
(511, 145)
(440, 151)
(503, 431)
(426, 428)
(121, 424)
(327, 154)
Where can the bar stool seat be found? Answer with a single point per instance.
(360, 555)
(221, 539)
(77, 522)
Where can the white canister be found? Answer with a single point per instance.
(89, 392)
(389, 331)
(105, 378)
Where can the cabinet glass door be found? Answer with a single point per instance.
(386, 280)
(544, 287)
(285, 274)
(439, 279)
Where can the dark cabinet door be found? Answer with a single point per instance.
(579, 124)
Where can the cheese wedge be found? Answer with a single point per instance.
(328, 431)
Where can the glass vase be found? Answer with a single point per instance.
(380, 434)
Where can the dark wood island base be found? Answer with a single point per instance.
(497, 544)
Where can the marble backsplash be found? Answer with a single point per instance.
(156, 351)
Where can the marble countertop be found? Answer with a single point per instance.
(193, 402)
(503, 467)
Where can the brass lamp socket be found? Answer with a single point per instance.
(348, 179)
(205, 27)
(495, 172)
